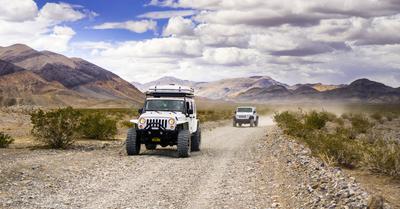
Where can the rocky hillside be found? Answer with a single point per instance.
(265, 89)
(362, 90)
(45, 78)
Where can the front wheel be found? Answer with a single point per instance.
(183, 143)
(132, 142)
(257, 122)
(234, 123)
(196, 140)
(251, 122)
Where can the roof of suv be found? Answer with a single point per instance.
(171, 90)
(246, 107)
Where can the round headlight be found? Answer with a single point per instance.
(171, 121)
(142, 120)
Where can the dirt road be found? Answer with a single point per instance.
(237, 168)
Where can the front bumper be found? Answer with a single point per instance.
(242, 120)
(158, 135)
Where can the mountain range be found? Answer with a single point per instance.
(44, 78)
(266, 89)
(30, 77)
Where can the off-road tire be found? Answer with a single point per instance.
(251, 122)
(132, 142)
(183, 143)
(234, 123)
(150, 146)
(240, 125)
(256, 122)
(196, 140)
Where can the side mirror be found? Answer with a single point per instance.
(190, 111)
(254, 112)
(235, 111)
(140, 110)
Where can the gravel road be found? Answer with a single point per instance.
(237, 168)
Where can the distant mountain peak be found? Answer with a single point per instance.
(364, 82)
(20, 47)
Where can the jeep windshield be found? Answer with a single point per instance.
(165, 105)
(245, 109)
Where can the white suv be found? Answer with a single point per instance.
(168, 118)
(245, 115)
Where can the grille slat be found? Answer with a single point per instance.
(157, 123)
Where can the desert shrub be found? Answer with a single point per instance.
(9, 102)
(345, 152)
(338, 147)
(58, 128)
(290, 123)
(360, 123)
(384, 157)
(126, 124)
(377, 116)
(98, 126)
(345, 116)
(5, 140)
(214, 115)
(316, 120)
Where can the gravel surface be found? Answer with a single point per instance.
(237, 168)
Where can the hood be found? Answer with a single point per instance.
(163, 114)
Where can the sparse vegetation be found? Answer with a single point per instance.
(377, 116)
(5, 140)
(349, 147)
(98, 125)
(360, 123)
(58, 128)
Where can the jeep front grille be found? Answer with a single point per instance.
(157, 123)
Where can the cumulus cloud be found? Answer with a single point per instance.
(332, 41)
(38, 28)
(134, 26)
(18, 10)
(167, 14)
(179, 26)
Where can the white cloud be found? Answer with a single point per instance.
(60, 12)
(40, 29)
(158, 47)
(168, 14)
(18, 10)
(179, 26)
(231, 56)
(134, 26)
(294, 41)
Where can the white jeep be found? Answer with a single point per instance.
(245, 115)
(168, 118)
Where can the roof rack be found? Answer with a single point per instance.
(171, 90)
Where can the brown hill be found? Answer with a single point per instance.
(49, 79)
(362, 90)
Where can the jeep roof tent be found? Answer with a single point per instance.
(171, 90)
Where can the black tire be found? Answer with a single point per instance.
(234, 123)
(132, 142)
(196, 140)
(183, 143)
(240, 125)
(257, 122)
(251, 122)
(151, 146)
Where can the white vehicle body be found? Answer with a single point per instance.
(245, 115)
(168, 117)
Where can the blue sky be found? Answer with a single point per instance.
(109, 11)
(293, 41)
